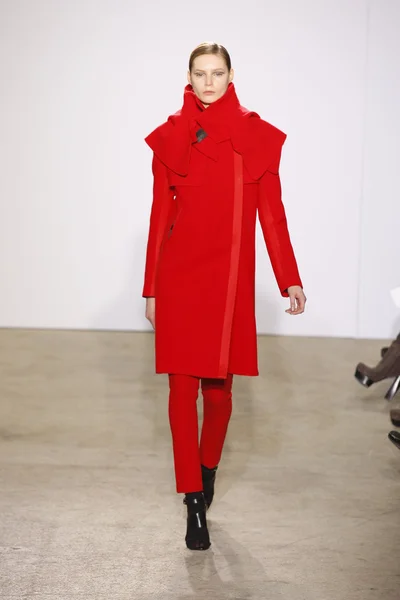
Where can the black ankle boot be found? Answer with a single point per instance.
(197, 537)
(208, 476)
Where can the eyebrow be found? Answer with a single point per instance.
(219, 69)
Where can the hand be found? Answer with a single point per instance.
(151, 311)
(297, 300)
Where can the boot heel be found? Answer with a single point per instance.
(394, 388)
(363, 379)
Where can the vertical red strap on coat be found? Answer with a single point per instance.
(234, 264)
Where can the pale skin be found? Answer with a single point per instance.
(210, 78)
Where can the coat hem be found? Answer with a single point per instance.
(190, 373)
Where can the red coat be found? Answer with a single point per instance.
(200, 263)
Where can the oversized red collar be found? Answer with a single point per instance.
(258, 142)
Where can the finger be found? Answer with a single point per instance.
(300, 305)
(292, 304)
(297, 304)
(299, 310)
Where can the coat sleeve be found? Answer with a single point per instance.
(272, 216)
(160, 211)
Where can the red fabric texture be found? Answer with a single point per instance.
(200, 262)
(189, 455)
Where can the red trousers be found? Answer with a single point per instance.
(189, 455)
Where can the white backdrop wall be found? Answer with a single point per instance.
(379, 269)
(83, 82)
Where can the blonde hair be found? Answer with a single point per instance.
(210, 48)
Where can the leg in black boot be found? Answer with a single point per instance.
(197, 537)
(208, 476)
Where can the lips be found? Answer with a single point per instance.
(209, 93)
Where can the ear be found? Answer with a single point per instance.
(189, 78)
(231, 75)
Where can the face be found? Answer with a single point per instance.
(209, 78)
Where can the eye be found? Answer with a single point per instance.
(219, 74)
(199, 74)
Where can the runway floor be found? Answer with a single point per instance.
(308, 491)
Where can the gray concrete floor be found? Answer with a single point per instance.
(308, 495)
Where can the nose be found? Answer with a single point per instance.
(209, 80)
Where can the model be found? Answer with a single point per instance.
(215, 165)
